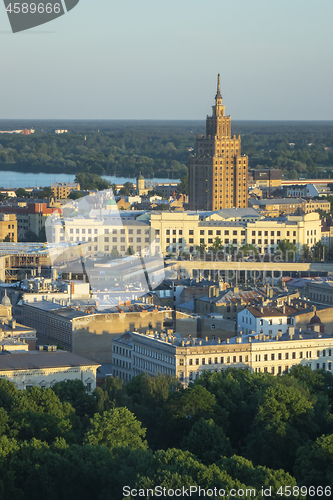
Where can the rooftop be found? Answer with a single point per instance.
(34, 360)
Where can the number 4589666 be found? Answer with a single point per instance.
(311, 491)
(33, 8)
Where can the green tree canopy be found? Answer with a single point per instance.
(115, 428)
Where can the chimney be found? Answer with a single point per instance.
(206, 339)
(291, 331)
(250, 340)
(227, 341)
(219, 340)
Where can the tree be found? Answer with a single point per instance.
(127, 189)
(314, 462)
(248, 249)
(39, 413)
(22, 193)
(201, 249)
(29, 236)
(207, 441)
(193, 401)
(217, 245)
(306, 252)
(283, 423)
(115, 428)
(287, 250)
(183, 185)
(75, 393)
(319, 251)
(75, 195)
(89, 181)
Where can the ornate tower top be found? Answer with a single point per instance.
(218, 93)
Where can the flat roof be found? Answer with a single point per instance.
(34, 360)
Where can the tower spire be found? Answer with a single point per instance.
(218, 93)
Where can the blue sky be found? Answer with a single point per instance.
(159, 60)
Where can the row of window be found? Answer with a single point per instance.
(259, 357)
(294, 355)
(123, 364)
(122, 350)
(154, 354)
(123, 239)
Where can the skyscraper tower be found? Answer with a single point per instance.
(218, 173)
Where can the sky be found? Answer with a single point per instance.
(126, 59)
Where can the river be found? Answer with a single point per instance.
(10, 179)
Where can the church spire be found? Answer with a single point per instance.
(218, 93)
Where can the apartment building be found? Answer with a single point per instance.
(153, 353)
(63, 189)
(29, 216)
(8, 227)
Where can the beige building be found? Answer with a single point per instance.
(267, 180)
(45, 368)
(320, 292)
(174, 232)
(152, 353)
(63, 189)
(274, 207)
(218, 173)
(8, 227)
(298, 229)
(83, 330)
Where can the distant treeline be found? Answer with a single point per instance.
(161, 149)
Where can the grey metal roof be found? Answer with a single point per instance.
(278, 201)
(34, 360)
